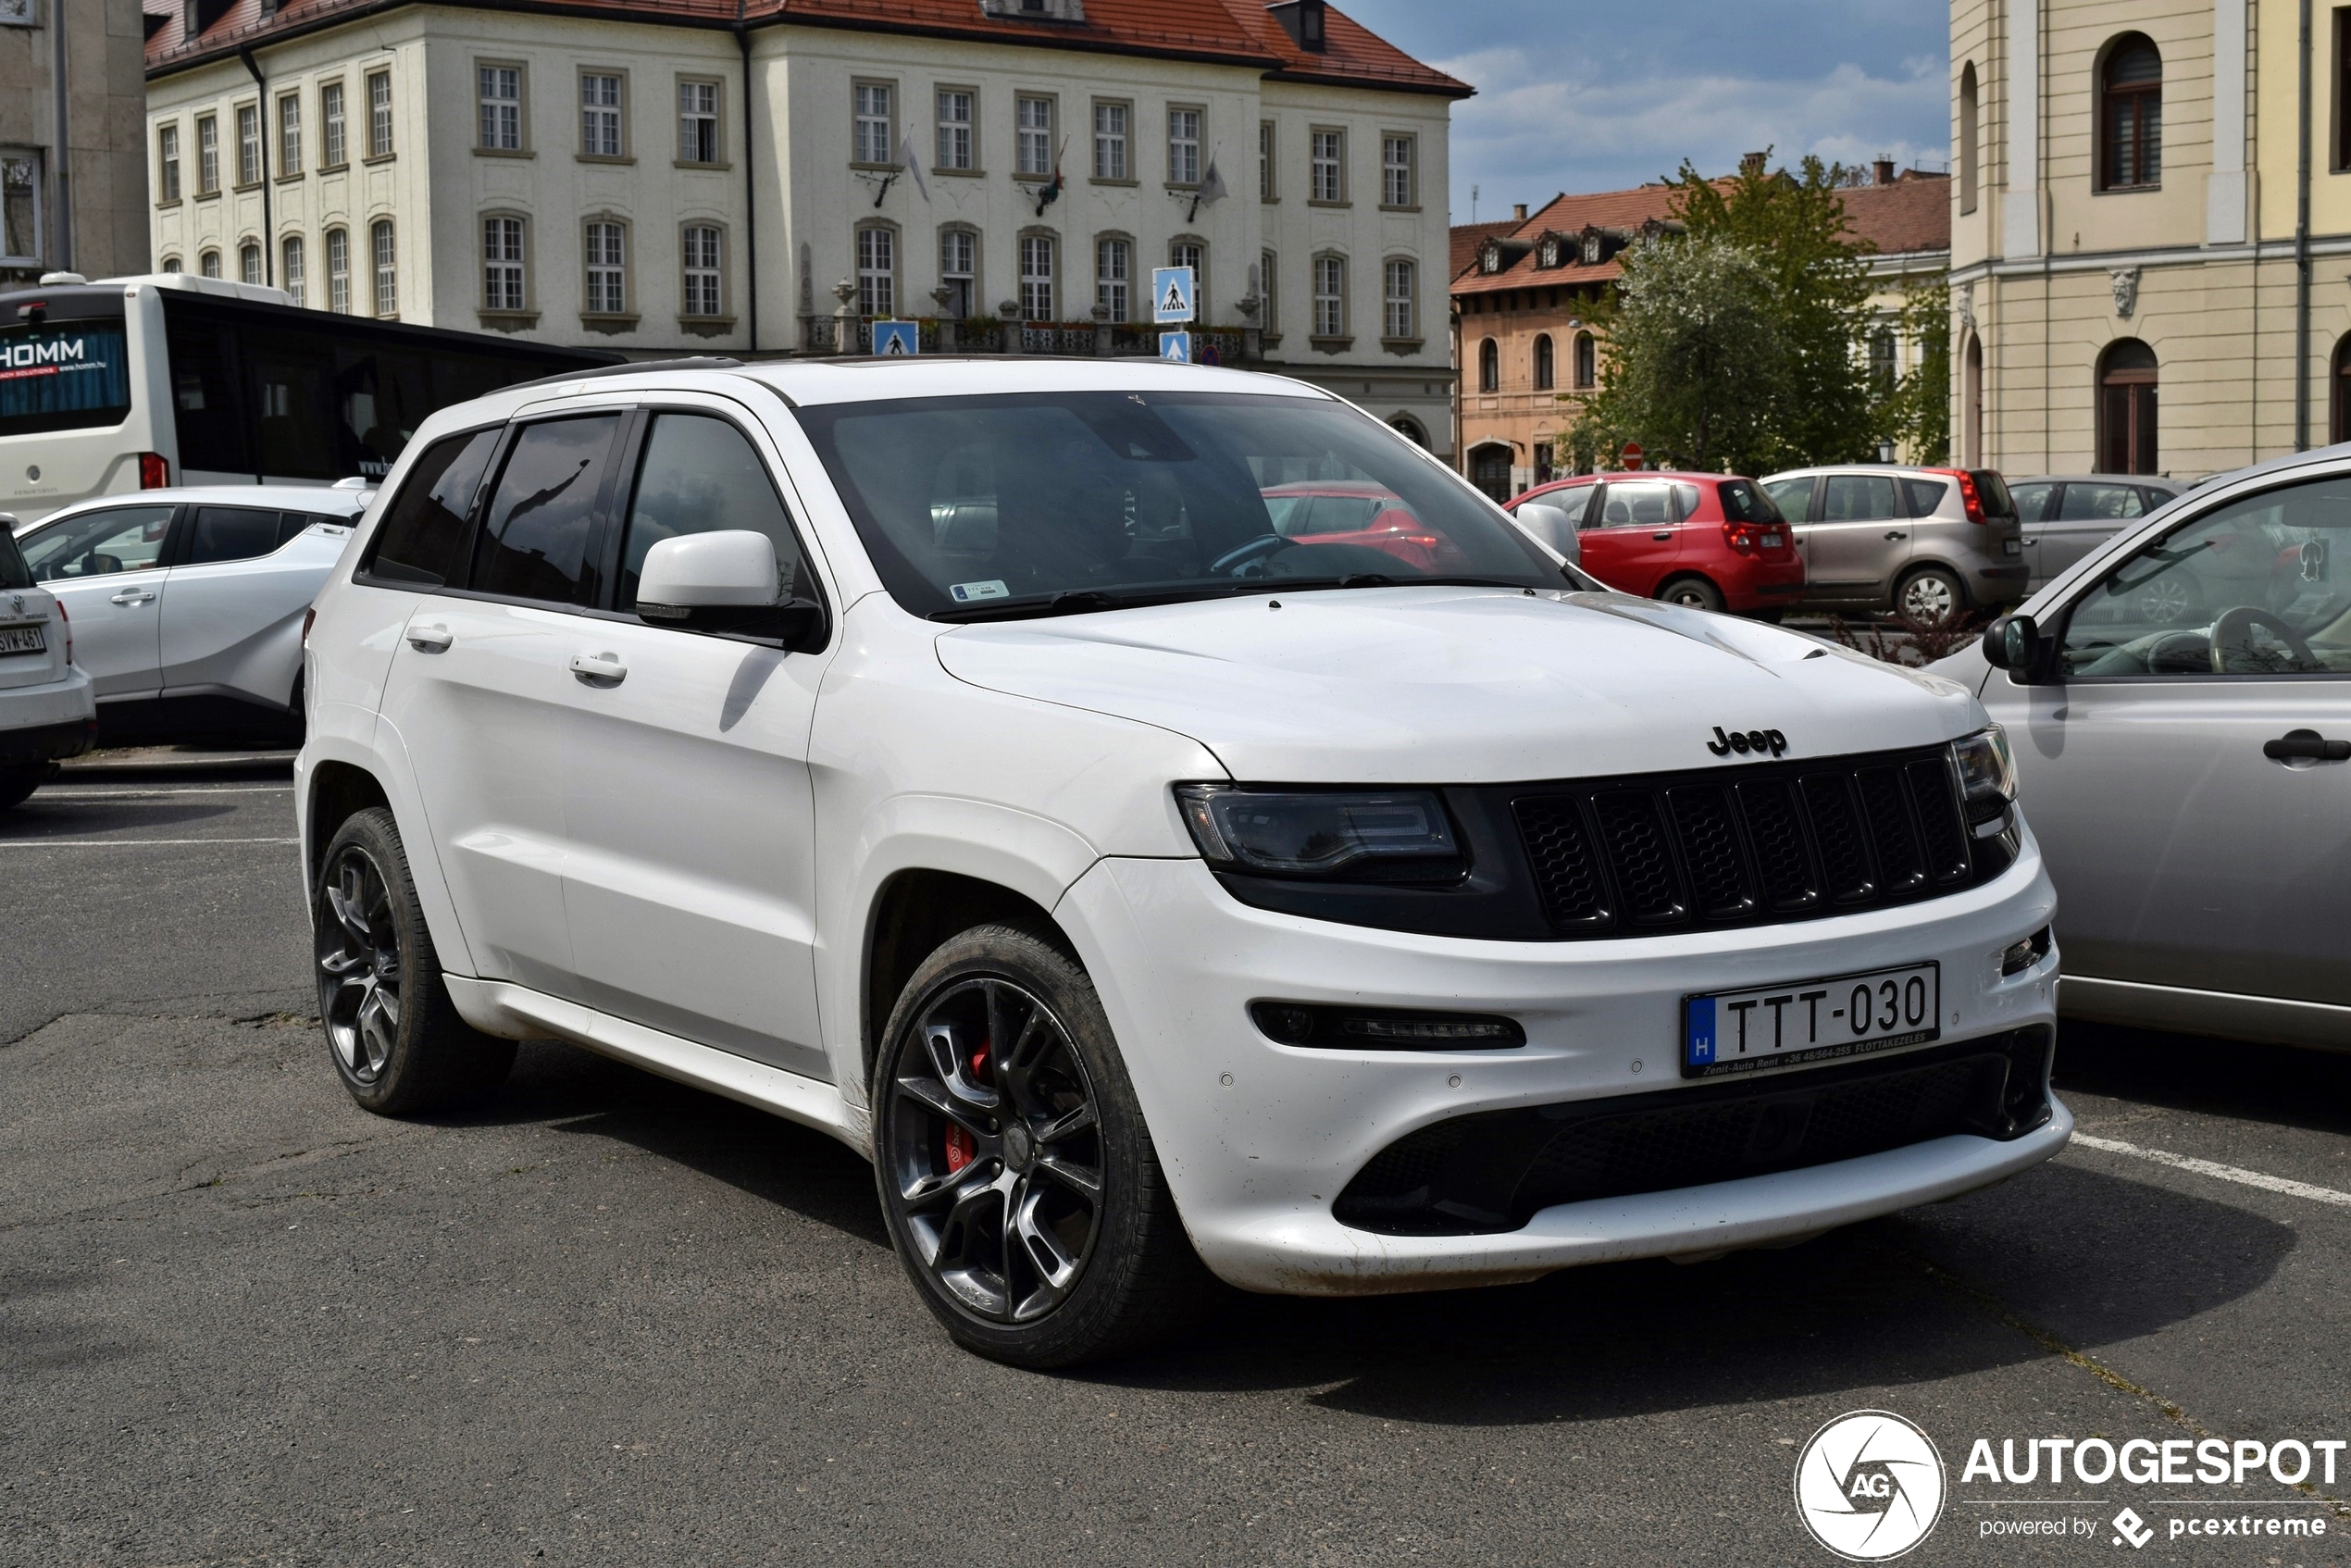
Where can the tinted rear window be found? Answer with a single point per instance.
(417, 546)
(1993, 491)
(12, 567)
(1743, 502)
(1924, 495)
(534, 537)
(63, 375)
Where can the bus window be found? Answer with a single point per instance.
(291, 379)
(204, 401)
(63, 375)
(384, 395)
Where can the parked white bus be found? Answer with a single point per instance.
(136, 383)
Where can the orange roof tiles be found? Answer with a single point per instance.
(1912, 214)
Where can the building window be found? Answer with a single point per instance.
(168, 163)
(1267, 311)
(1396, 170)
(1546, 365)
(1489, 366)
(2126, 408)
(1265, 160)
(1182, 146)
(698, 122)
(959, 270)
(207, 156)
(1399, 303)
(1328, 182)
(2131, 115)
(249, 262)
(1037, 277)
(871, 139)
(956, 149)
(387, 259)
(330, 150)
(502, 264)
(339, 270)
(290, 269)
(1192, 254)
(289, 135)
(1033, 136)
(501, 91)
(1114, 276)
(878, 272)
(1587, 361)
(20, 208)
(1971, 115)
(599, 117)
(607, 262)
(706, 275)
(2339, 385)
(208, 264)
(249, 144)
(172, 265)
(1490, 470)
(380, 114)
(1109, 141)
(1330, 296)
(1883, 362)
(1409, 429)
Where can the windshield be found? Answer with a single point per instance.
(63, 375)
(1002, 505)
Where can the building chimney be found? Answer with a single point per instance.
(1883, 171)
(1751, 166)
(1518, 211)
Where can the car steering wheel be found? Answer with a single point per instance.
(1257, 549)
(2230, 633)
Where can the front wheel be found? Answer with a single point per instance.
(1018, 1181)
(1693, 592)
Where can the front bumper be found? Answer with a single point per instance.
(1259, 1139)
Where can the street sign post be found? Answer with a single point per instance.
(896, 338)
(1173, 292)
(1176, 346)
(1631, 456)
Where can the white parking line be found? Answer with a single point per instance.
(125, 843)
(60, 794)
(2225, 1173)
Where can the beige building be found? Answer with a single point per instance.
(2136, 287)
(761, 177)
(78, 202)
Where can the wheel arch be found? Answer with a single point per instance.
(339, 791)
(913, 911)
(1917, 565)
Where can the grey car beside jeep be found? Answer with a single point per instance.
(1928, 543)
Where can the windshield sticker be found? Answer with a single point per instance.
(972, 592)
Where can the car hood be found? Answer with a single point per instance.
(1403, 685)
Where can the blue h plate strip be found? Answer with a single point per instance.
(1699, 1049)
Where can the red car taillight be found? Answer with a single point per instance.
(65, 621)
(1969, 498)
(1741, 537)
(155, 471)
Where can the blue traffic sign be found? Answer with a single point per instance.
(1172, 294)
(1176, 346)
(892, 337)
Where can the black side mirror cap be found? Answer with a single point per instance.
(798, 625)
(2014, 644)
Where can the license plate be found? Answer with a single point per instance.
(1786, 1026)
(22, 640)
(1772, 541)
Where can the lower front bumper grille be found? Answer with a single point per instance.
(1491, 1171)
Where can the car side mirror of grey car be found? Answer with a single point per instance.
(725, 582)
(2014, 644)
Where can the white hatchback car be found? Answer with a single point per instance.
(188, 603)
(46, 708)
(951, 755)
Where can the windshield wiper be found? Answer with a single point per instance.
(1083, 600)
(1380, 579)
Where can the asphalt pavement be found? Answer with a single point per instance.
(603, 1318)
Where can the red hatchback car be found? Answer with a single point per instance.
(1714, 542)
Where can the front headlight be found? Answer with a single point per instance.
(1329, 835)
(1987, 778)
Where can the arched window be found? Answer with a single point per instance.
(1587, 361)
(1409, 429)
(878, 271)
(210, 263)
(2339, 387)
(2131, 115)
(1491, 470)
(1971, 402)
(1546, 369)
(249, 263)
(2126, 408)
(1971, 113)
(1489, 366)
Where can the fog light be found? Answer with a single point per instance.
(2017, 957)
(1360, 1028)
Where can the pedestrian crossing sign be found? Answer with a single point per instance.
(896, 339)
(1176, 346)
(1172, 294)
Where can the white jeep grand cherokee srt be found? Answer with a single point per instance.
(1017, 770)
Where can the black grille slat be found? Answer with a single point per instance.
(1901, 863)
(1945, 841)
(1710, 851)
(1566, 871)
(1828, 804)
(1640, 856)
(1773, 828)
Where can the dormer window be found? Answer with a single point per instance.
(1035, 10)
(1591, 247)
(1490, 258)
(1302, 19)
(1550, 255)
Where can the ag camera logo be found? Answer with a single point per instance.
(1869, 1485)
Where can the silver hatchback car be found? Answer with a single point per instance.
(1930, 543)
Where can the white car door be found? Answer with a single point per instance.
(477, 691)
(690, 876)
(239, 589)
(105, 567)
(2188, 772)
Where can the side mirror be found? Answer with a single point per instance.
(725, 581)
(2014, 644)
(1550, 524)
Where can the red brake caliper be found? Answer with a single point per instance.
(961, 1149)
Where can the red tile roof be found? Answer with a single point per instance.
(1236, 32)
(1466, 237)
(1912, 214)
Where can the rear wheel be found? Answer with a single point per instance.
(16, 785)
(1019, 1183)
(396, 1038)
(1931, 596)
(1694, 592)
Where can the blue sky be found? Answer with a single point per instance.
(1575, 95)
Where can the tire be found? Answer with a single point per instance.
(984, 1157)
(1931, 596)
(16, 785)
(1693, 592)
(396, 1039)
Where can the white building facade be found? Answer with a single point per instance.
(672, 182)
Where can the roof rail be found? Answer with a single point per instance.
(691, 362)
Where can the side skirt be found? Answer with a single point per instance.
(2267, 1019)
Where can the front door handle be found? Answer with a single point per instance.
(599, 669)
(428, 639)
(135, 596)
(1661, 538)
(1896, 534)
(2299, 744)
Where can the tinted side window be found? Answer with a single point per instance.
(1924, 495)
(1637, 505)
(121, 539)
(1792, 497)
(1852, 498)
(416, 543)
(2032, 500)
(229, 533)
(534, 539)
(207, 407)
(700, 474)
(2093, 502)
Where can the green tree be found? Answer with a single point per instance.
(1696, 361)
(1919, 413)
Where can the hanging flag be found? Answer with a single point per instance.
(914, 165)
(1212, 184)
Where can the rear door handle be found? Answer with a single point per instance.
(595, 667)
(2298, 744)
(1660, 538)
(1896, 534)
(428, 639)
(135, 596)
